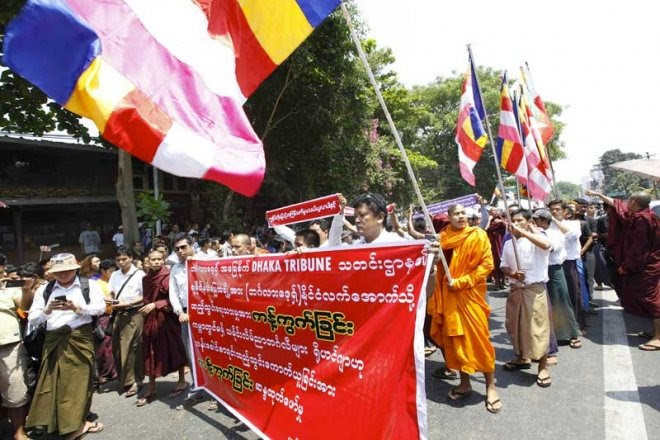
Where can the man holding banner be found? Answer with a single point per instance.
(459, 310)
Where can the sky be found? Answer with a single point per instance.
(599, 60)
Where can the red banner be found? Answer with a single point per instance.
(324, 344)
(304, 211)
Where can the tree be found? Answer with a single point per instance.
(616, 182)
(567, 190)
(151, 209)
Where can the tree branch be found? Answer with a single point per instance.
(287, 81)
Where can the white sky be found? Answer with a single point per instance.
(601, 60)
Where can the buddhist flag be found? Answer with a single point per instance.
(155, 80)
(263, 33)
(509, 143)
(470, 134)
(538, 182)
(537, 106)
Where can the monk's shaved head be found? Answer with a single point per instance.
(642, 199)
(243, 239)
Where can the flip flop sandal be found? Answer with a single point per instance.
(648, 347)
(94, 429)
(544, 382)
(131, 392)
(177, 392)
(490, 406)
(144, 400)
(456, 395)
(644, 335)
(575, 343)
(513, 366)
(441, 373)
(552, 360)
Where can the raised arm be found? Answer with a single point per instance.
(607, 200)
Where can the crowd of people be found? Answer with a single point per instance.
(126, 317)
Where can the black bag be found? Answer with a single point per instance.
(34, 341)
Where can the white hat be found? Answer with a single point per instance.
(63, 262)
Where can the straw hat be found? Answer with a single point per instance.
(63, 262)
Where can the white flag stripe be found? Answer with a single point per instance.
(181, 27)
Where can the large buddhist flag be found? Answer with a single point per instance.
(263, 33)
(153, 79)
(538, 181)
(470, 135)
(509, 146)
(537, 106)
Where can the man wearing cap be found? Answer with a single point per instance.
(64, 388)
(527, 318)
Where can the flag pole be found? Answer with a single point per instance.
(497, 162)
(547, 150)
(395, 133)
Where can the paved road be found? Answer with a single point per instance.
(607, 390)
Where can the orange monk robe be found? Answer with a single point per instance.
(460, 316)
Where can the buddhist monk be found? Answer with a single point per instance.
(634, 242)
(458, 307)
(161, 335)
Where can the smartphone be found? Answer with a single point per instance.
(61, 298)
(14, 283)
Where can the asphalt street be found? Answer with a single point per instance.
(608, 389)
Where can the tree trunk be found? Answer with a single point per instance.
(227, 205)
(126, 197)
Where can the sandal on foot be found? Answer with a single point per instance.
(512, 366)
(441, 373)
(644, 335)
(490, 406)
(132, 391)
(145, 400)
(94, 429)
(552, 360)
(428, 351)
(456, 395)
(648, 347)
(212, 406)
(176, 391)
(543, 382)
(575, 343)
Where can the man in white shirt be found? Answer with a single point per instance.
(527, 317)
(370, 217)
(90, 241)
(205, 251)
(572, 231)
(64, 388)
(126, 287)
(565, 326)
(118, 238)
(179, 299)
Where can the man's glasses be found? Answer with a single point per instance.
(180, 248)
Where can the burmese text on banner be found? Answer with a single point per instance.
(293, 344)
(304, 211)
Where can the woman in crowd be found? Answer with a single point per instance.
(105, 362)
(90, 267)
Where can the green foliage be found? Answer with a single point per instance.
(151, 209)
(567, 190)
(616, 182)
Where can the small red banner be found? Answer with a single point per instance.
(304, 211)
(325, 344)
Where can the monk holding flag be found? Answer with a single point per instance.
(459, 310)
(634, 241)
